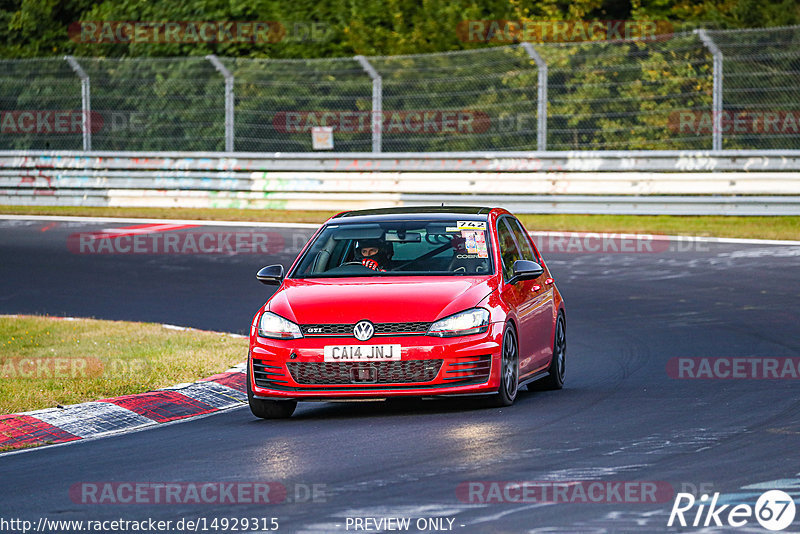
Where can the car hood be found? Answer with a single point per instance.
(380, 300)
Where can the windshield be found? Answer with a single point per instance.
(439, 247)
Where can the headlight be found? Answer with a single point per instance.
(475, 321)
(276, 327)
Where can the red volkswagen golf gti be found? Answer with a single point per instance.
(408, 302)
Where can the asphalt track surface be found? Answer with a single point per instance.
(619, 418)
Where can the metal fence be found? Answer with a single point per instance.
(700, 90)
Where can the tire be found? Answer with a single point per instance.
(267, 409)
(557, 369)
(509, 370)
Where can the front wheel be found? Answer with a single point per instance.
(509, 370)
(267, 409)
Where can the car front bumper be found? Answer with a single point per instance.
(429, 366)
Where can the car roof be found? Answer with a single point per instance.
(471, 213)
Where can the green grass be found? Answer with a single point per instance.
(784, 227)
(787, 227)
(45, 362)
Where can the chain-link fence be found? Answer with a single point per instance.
(698, 90)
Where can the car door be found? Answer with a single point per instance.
(520, 297)
(540, 303)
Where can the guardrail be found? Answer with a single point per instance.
(646, 182)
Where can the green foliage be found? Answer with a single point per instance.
(36, 28)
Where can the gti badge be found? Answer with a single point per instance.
(363, 330)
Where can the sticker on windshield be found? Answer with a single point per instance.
(470, 242)
(480, 244)
(472, 225)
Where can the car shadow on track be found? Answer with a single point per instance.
(400, 406)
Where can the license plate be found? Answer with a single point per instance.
(361, 353)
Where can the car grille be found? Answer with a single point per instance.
(474, 369)
(396, 372)
(381, 329)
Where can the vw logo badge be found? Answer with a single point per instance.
(363, 330)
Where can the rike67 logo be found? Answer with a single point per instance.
(774, 510)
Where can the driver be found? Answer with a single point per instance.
(374, 254)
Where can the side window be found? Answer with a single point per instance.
(522, 238)
(340, 251)
(508, 248)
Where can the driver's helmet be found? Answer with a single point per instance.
(381, 257)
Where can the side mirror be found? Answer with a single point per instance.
(525, 270)
(271, 275)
